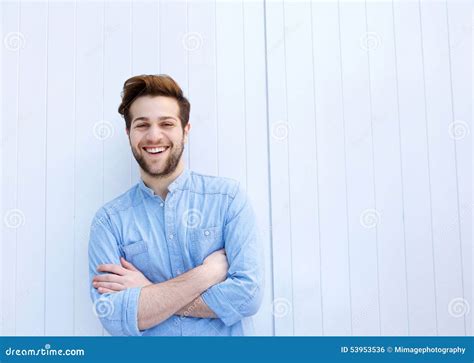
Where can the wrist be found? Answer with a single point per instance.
(209, 273)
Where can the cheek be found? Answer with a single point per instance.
(135, 139)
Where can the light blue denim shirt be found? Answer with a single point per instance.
(165, 238)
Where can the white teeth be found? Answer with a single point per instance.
(155, 150)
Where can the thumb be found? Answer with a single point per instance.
(127, 264)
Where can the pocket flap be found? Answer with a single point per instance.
(135, 248)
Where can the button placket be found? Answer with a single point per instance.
(172, 238)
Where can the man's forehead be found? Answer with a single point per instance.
(154, 107)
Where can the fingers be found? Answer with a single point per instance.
(116, 269)
(113, 286)
(108, 278)
(127, 264)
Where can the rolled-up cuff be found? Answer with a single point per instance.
(130, 312)
(220, 305)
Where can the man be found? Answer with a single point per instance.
(178, 253)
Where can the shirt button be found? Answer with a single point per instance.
(206, 233)
(178, 272)
(171, 236)
(162, 204)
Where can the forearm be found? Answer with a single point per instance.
(197, 309)
(160, 301)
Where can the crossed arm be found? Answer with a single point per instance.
(227, 286)
(177, 296)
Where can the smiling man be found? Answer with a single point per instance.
(178, 253)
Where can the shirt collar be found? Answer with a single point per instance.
(177, 183)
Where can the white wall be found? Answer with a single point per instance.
(348, 123)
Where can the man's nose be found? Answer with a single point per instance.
(154, 133)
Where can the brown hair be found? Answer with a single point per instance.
(153, 85)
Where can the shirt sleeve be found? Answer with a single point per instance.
(116, 311)
(240, 295)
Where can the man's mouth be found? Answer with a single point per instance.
(156, 150)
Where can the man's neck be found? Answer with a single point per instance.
(160, 185)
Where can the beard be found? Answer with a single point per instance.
(170, 164)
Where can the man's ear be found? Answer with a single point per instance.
(127, 131)
(186, 132)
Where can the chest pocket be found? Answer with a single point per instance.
(137, 254)
(204, 241)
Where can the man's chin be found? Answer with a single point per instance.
(157, 172)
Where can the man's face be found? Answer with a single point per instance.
(156, 136)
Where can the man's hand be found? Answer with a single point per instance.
(120, 278)
(216, 264)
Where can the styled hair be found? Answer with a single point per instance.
(152, 85)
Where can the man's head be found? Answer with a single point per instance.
(157, 122)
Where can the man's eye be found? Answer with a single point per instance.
(168, 124)
(141, 125)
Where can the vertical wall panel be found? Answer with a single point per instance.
(231, 122)
(11, 112)
(116, 178)
(116, 148)
(32, 125)
(421, 269)
(442, 163)
(361, 209)
(88, 171)
(389, 197)
(459, 23)
(335, 276)
(280, 131)
(257, 146)
(2, 151)
(59, 302)
(303, 178)
(200, 44)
